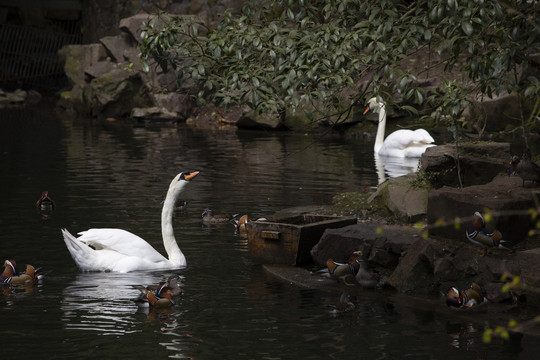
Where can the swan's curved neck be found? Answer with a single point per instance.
(171, 247)
(379, 139)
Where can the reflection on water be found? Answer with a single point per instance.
(103, 302)
(391, 167)
(116, 175)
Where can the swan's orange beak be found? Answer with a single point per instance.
(367, 109)
(191, 175)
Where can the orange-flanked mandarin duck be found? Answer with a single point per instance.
(162, 295)
(241, 223)
(514, 161)
(45, 203)
(464, 298)
(11, 276)
(477, 235)
(355, 270)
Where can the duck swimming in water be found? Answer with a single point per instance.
(469, 297)
(11, 276)
(45, 202)
(162, 295)
(45, 205)
(209, 217)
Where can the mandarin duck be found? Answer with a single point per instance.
(162, 295)
(527, 170)
(354, 270)
(344, 305)
(45, 204)
(11, 276)
(209, 217)
(477, 235)
(514, 161)
(181, 206)
(465, 298)
(241, 223)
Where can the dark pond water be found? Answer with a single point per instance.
(115, 175)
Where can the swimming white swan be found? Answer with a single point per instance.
(121, 251)
(400, 143)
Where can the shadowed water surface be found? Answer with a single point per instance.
(116, 175)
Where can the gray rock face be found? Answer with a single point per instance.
(108, 80)
(412, 263)
(406, 202)
(382, 244)
(116, 93)
(504, 196)
(479, 163)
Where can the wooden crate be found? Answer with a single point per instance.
(290, 240)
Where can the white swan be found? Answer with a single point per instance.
(400, 143)
(121, 251)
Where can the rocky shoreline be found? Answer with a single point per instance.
(414, 241)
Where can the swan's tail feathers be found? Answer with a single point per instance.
(80, 252)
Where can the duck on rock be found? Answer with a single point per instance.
(355, 270)
(528, 170)
(514, 161)
(469, 297)
(477, 235)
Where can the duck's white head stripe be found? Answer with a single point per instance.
(480, 216)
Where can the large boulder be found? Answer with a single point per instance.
(382, 244)
(107, 79)
(505, 197)
(78, 58)
(153, 114)
(116, 93)
(405, 201)
(479, 163)
(254, 120)
(116, 46)
(433, 266)
(500, 113)
(133, 25)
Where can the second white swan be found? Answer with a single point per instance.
(121, 251)
(400, 143)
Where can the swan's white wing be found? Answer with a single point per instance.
(406, 143)
(120, 241)
(422, 136)
(109, 259)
